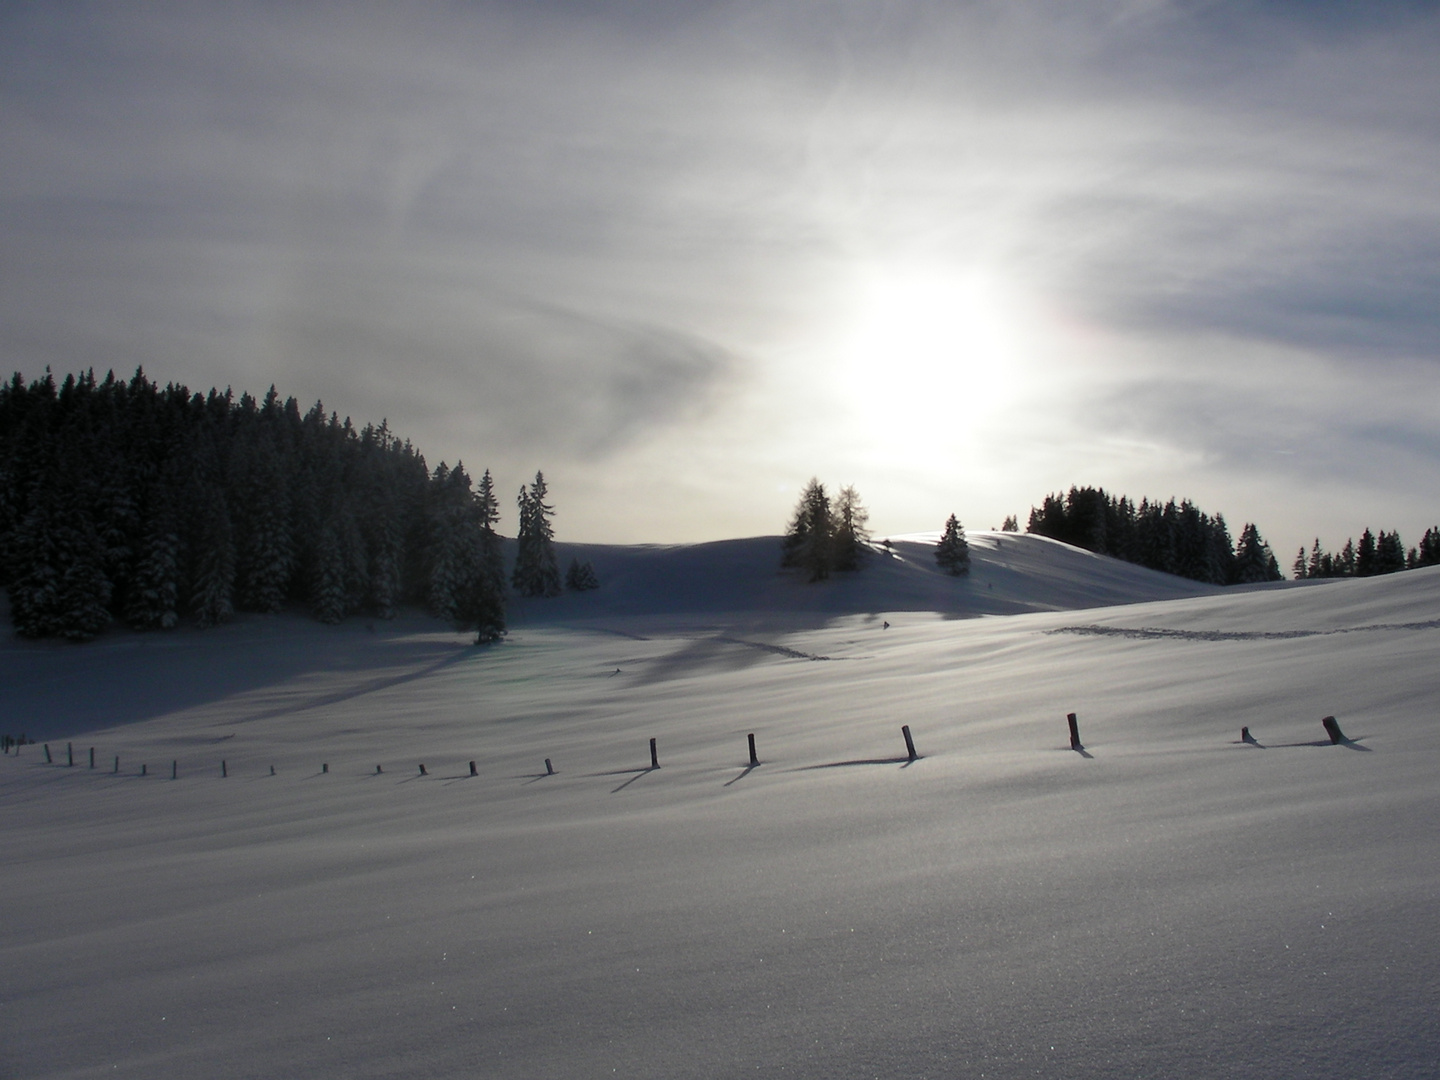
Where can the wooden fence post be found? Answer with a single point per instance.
(654, 757)
(48, 759)
(92, 757)
(753, 759)
(422, 770)
(909, 742)
(472, 769)
(224, 770)
(1333, 730)
(549, 769)
(1074, 732)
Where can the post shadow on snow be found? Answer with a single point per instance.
(645, 771)
(1345, 741)
(746, 771)
(903, 762)
(1332, 729)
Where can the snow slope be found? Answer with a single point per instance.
(1010, 573)
(1171, 902)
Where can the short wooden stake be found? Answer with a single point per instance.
(422, 770)
(549, 769)
(909, 742)
(224, 770)
(378, 770)
(117, 763)
(753, 759)
(325, 766)
(48, 759)
(272, 770)
(654, 757)
(472, 769)
(69, 755)
(142, 769)
(1333, 730)
(1245, 735)
(92, 757)
(174, 770)
(1074, 732)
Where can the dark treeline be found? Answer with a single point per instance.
(1176, 538)
(128, 501)
(1382, 554)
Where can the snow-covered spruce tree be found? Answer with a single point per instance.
(1297, 568)
(327, 595)
(808, 544)
(449, 510)
(153, 600)
(953, 551)
(463, 590)
(580, 577)
(263, 555)
(1389, 553)
(536, 571)
(852, 538)
(492, 551)
(212, 578)
(1428, 553)
(1253, 561)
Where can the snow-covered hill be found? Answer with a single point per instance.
(1169, 902)
(1010, 573)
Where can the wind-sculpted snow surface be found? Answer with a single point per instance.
(1173, 902)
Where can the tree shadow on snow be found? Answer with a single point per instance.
(54, 692)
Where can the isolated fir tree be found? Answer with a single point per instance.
(536, 571)
(808, 544)
(953, 552)
(580, 577)
(851, 541)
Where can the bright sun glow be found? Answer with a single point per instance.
(932, 349)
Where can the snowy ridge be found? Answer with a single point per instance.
(1171, 902)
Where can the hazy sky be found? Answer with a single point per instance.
(682, 257)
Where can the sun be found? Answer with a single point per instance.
(932, 348)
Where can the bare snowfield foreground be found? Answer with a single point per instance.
(1168, 902)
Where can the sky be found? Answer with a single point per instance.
(684, 257)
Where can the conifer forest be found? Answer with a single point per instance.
(127, 501)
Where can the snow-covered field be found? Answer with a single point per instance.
(1170, 902)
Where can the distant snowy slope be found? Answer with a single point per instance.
(1010, 573)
